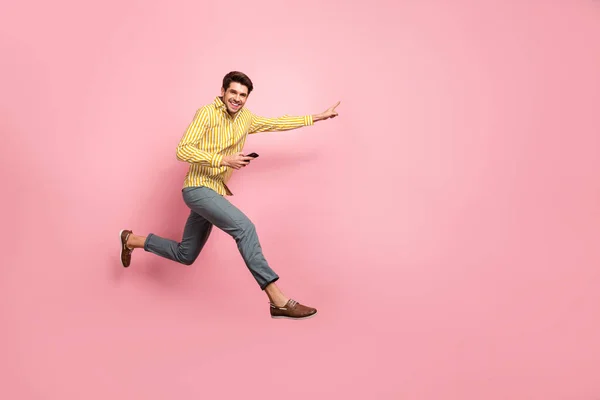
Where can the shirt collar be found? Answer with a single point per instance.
(219, 104)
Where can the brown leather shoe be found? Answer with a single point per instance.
(292, 310)
(125, 251)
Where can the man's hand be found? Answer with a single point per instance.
(236, 161)
(329, 113)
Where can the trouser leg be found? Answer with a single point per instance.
(217, 210)
(195, 234)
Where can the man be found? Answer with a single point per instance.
(212, 145)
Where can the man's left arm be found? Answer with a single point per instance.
(286, 123)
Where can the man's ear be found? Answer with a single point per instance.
(222, 92)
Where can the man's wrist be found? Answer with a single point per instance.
(317, 117)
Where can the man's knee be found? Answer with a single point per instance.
(187, 258)
(246, 228)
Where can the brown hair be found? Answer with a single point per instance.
(239, 77)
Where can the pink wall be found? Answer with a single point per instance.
(451, 245)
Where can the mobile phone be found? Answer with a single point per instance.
(253, 155)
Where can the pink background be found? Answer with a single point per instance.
(446, 225)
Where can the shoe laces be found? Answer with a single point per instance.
(292, 303)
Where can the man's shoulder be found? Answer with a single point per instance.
(208, 107)
(247, 113)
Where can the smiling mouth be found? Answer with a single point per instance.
(234, 105)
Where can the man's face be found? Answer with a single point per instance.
(234, 97)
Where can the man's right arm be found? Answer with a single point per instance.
(188, 148)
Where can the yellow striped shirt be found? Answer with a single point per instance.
(213, 133)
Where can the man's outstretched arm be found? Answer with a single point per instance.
(285, 123)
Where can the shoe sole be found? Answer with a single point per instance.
(285, 317)
(121, 243)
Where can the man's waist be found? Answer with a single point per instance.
(216, 183)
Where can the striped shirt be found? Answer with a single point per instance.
(213, 133)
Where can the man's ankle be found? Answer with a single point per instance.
(128, 242)
(135, 241)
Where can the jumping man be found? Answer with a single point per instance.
(212, 145)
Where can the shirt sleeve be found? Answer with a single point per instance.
(285, 123)
(188, 149)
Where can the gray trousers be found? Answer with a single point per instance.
(209, 208)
